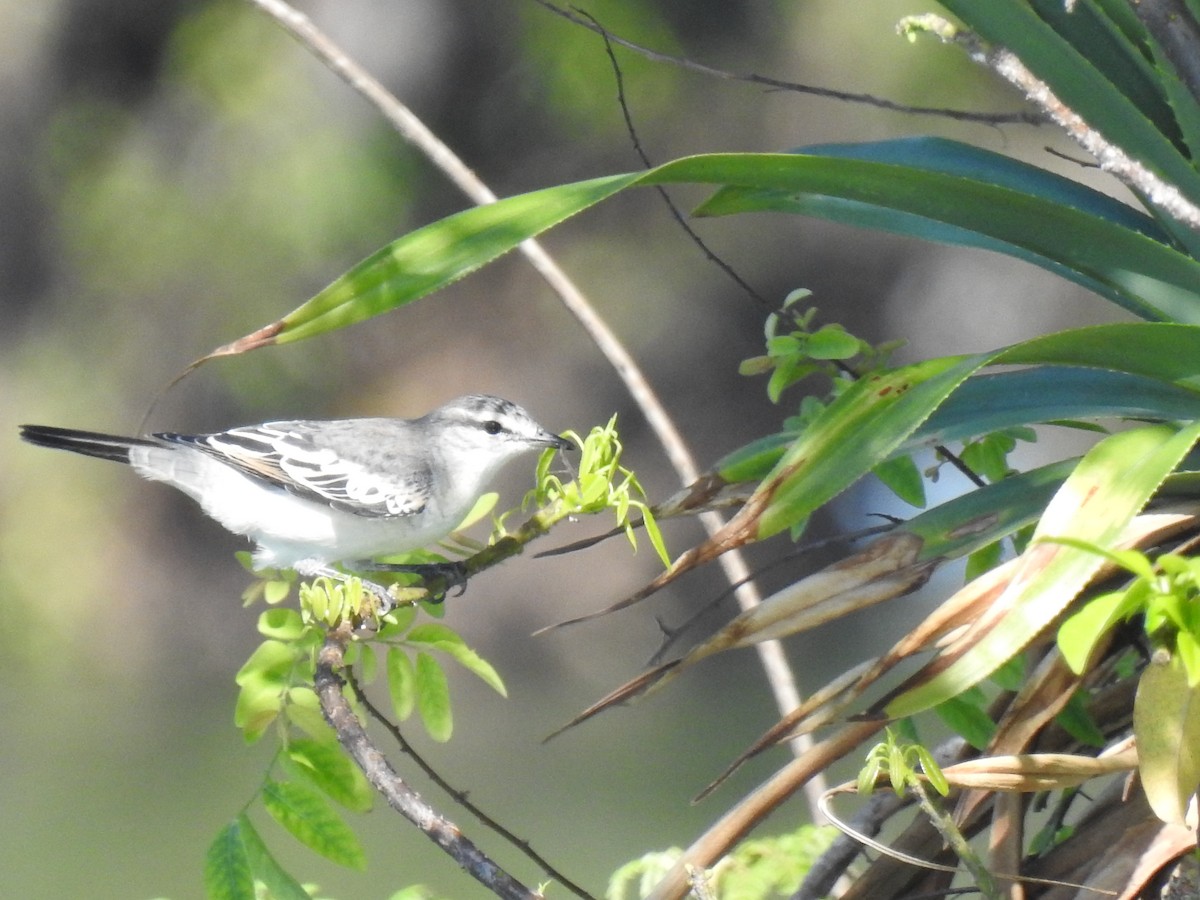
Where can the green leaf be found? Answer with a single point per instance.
(227, 874)
(1076, 721)
(444, 639)
(304, 711)
(433, 698)
(1113, 251)
(439, 254)
(402, 682)
(1082, 630)
(329, 769)
(433, 633)
(832, 342)
(271, 661)
(306, 815)
(257, 707)
(278, 882)
(903, 478)
(474, 663)
(1166, 724)
(968, 720)
(281, 624)
(1108, 487)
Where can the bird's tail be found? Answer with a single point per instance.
(89, 443)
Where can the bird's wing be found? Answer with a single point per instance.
(291, 456)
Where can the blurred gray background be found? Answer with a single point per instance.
(176, 174)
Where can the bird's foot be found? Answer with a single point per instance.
(450, 575)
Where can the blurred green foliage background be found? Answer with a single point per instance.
(176, 173)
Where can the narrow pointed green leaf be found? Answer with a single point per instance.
(432, 257)
(306, 815)
(227, 874)
(1110, 485)
(854, 434)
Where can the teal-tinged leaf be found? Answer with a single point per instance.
(1117, 49)
(1109, 486)
(266, 869)
(1129, 370)
(309, 819)
(433, 698)
(990, 402)
(1102, 252)
(227, 874)
(329, 769)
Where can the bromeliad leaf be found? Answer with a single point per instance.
(1108, 487)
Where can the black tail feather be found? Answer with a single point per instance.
(89, 443)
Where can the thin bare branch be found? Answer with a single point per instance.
(1022, 118)
(460, 797)
(379, 772)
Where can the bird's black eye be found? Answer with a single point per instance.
(492, 427)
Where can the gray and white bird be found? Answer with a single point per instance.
(314, 493)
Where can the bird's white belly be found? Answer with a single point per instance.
(289, 528)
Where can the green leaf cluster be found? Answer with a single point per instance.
(900, 761)
(1164, 593)
(600, 484)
